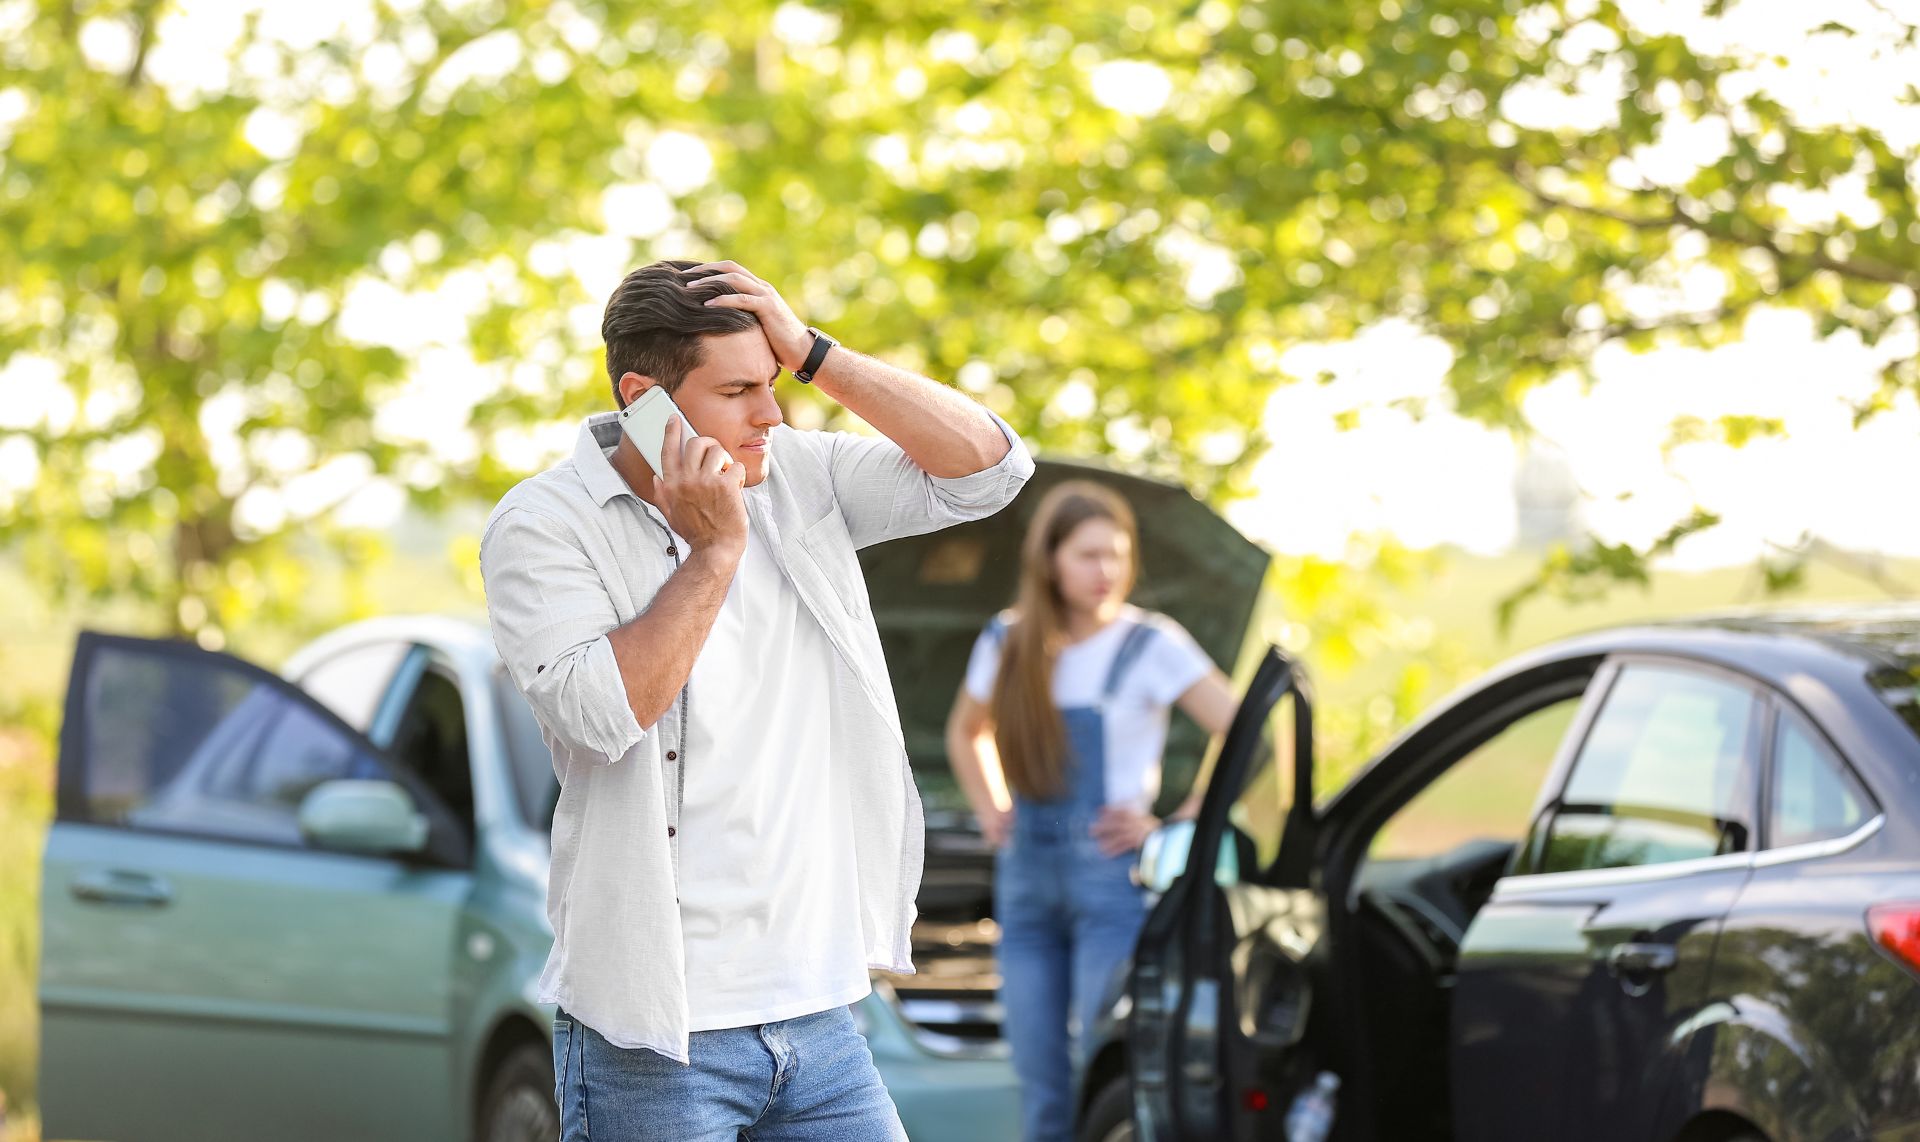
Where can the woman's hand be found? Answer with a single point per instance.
(996, 824)
(1122, 829)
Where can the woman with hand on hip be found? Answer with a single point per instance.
(1065, 707)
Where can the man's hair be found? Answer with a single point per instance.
(656, 319)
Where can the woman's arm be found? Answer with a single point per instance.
(1211, 703)
(976, 765)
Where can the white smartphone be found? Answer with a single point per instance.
(645, 422)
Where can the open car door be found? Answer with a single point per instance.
(234, 944)
(1219, 993)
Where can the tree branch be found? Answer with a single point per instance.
(143, 43)
(1856, 268)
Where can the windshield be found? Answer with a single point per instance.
(534, 784)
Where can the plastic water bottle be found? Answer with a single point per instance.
(1310, 1118)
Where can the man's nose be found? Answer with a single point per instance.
(768, 414)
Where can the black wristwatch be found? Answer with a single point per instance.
(821, 343)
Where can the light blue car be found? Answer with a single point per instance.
(313, 906)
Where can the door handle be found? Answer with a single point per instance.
(1641, 959)
(117, 886)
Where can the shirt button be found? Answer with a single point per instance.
(670, 830)
(673, 550)
(673, 755)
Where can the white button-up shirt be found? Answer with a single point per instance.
(571, 554)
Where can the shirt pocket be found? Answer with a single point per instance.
(829, 547)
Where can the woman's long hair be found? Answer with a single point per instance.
(1027, 730)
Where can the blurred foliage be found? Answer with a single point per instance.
(26, 802)
(1576, 576)
(1110, 221)
(1339, 615)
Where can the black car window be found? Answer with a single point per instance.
(431, 740)
(534, 783)
(352, 682)
(1258, 816)
(1665, 774)
(203, 745)
(1814, 797)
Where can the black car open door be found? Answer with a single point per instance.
(1219, 990)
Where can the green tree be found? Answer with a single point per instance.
(1110, 221)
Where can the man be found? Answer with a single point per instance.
(738, 838)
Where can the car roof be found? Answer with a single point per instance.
(464, 639)
(1882, 634)
(1769, 643)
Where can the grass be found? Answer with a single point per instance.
(26, 802)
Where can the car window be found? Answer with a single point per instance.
(1258, 816)
(534, 783)
(431, 741)
(1814, 797)
(1487, 795)
(1665, 774)
(352, 682)
(202, 745)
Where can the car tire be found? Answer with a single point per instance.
(1109, 1116)
(519, 1104)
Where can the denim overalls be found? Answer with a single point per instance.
(1068, 915)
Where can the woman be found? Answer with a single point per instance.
(1065, 707)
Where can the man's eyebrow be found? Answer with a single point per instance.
(746, 383)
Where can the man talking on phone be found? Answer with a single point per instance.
(738, 839)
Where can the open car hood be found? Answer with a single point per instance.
(933, 593)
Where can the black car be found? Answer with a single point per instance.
(1654, 883)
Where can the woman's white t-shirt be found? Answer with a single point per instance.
(1136, 718)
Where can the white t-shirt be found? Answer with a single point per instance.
(769, 892)
(1136, 719)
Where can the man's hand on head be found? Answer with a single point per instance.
(786, 334)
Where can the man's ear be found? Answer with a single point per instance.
(632, 385)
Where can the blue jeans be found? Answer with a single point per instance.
(1069, 918)
(809, 1079)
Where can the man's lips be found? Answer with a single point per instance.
(757, 447)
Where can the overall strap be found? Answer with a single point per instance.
(1130, 650)
(996, 630)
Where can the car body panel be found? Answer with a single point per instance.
(1535, 992)
(250, 967)
(1820, 1032)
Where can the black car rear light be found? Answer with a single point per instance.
(1896, 928)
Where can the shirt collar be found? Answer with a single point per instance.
(598, 433)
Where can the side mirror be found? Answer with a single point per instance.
(363, 817)
(1163, 857)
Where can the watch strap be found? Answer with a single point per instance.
(816, 355)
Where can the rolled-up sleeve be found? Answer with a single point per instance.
(884, 495)
(550, 614)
